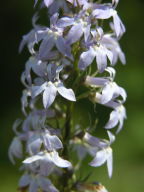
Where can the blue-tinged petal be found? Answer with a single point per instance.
(39, 68)
(110, 162)
(113, 121)
(107, 93)
(29, 40)
(66, 93)
(123, 93)
(101, 59)
(46, 184)
(96, 81)
(24, 180)
(53, 19)
(63, 47)
(122, 116)
(94, 141)
(111, 137)
(104, 12)
(58, 161)
(46, 46)
(33, 186)
(118, 25)
(87, 32)
(58, 70)
(36, 90)
(32, 159)
(74, 34)
(15, 149)
(100, 158)
(48, 2)
(65, 22)
(56, 5)
(109, 55)
(86, 59)
(52, 142)
(51, 70)
(46, 166)
(34, 144)
(49, 95)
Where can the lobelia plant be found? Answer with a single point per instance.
(68, 68)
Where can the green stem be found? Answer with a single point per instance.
(67, 133)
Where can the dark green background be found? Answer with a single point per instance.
(128, 174)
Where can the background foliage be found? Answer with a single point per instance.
(129, 148)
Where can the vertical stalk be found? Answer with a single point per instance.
(67, 133)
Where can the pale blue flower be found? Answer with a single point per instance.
(51, 37)
(47, 161)
(106, 12)
(51, 87)
(36, 182)
(117, 117)
(81, 24)
(43, 137)
(96, 49)
(101, 151)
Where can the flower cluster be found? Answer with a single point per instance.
(71, 59)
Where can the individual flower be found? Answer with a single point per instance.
(31, 38)
(96, 49)
(80, 23)
(51, 87)
(51, 37)
(47, 161)
(117, 117)
(36, 182)
(36, 119)
(101, 151)
(105, 11)
(43, 137)
(109, 89)
(112, 44)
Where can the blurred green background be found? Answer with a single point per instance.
(129, 148)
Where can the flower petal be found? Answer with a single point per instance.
(46, 184)
(99, 159)
(63, 47)
(86, 59)
(24, 180)
(36, 90)
(66, 93)
(65, 21)
(74, 34)
(52, 142)
(58, 161)
(46, 46)
(49, 95)
(110, 163)
(32, 159)
(113, 121)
